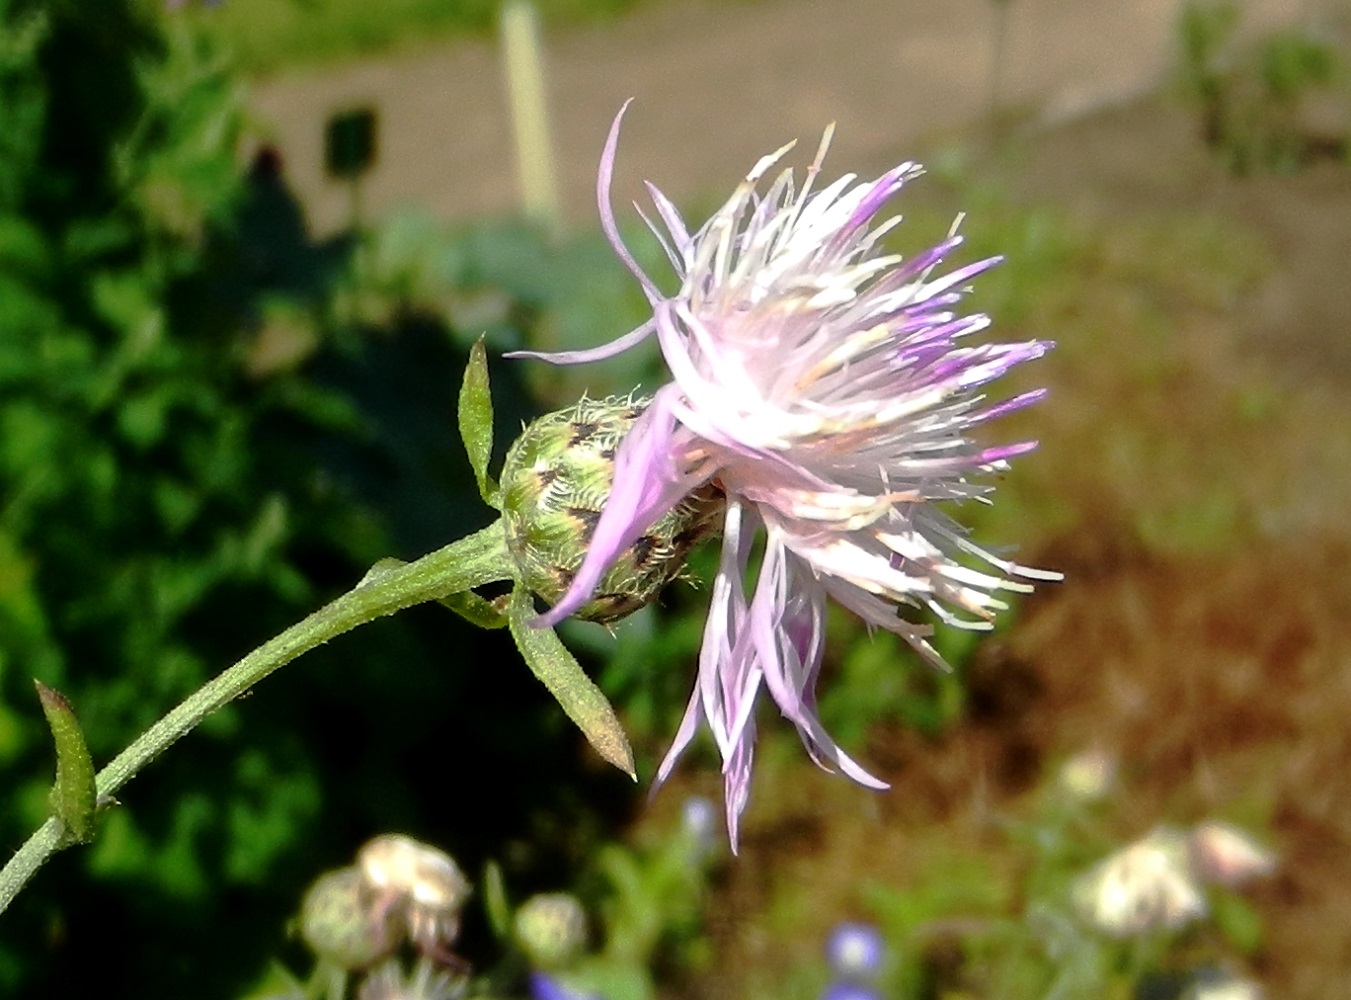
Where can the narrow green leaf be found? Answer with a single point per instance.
(380, 568)
(476, 422)
(73, 798)
(495, 903)
(476, 610)
(468, 605)
(560, 672)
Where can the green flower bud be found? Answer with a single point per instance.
(555, 482)
(551, 930)
(342, 923)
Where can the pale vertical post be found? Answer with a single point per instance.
(998, 58)
(524, 61)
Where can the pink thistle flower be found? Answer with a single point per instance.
(826, 386)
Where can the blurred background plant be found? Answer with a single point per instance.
(1156, 917)
(1263, 104)
(388, 926)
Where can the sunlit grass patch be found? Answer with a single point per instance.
(276, 36)
(270, 36)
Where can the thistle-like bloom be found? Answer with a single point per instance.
(826, 386)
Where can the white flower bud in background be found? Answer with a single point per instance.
(343, 923)
(1088, 776)
(1227, 856)
(1145, 886)
(421, 882)
(551, 929)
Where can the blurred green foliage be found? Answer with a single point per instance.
(272, 36)
(1253, 99)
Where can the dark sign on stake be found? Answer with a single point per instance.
(349, 143)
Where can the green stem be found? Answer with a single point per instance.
(480, 558)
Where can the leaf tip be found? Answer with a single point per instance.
(52, 700)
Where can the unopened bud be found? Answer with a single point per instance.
(555, 482)
(420, 880)
(551, 930)
(343, 923)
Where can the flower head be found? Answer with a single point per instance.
(419, 881)
(850, 991)
(546, 987)
(1217, 984)
(827, 388)
(698, 824)
(1088, 776)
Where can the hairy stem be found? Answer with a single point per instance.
(480, 558)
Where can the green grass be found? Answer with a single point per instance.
(276, 36)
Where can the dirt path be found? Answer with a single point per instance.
(716, 86)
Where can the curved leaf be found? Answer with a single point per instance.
(73, 797)
(560, 672)
(476, 422)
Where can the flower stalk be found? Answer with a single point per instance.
(470, 562)
(448, 575)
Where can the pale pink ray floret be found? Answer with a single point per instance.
(827, 387)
